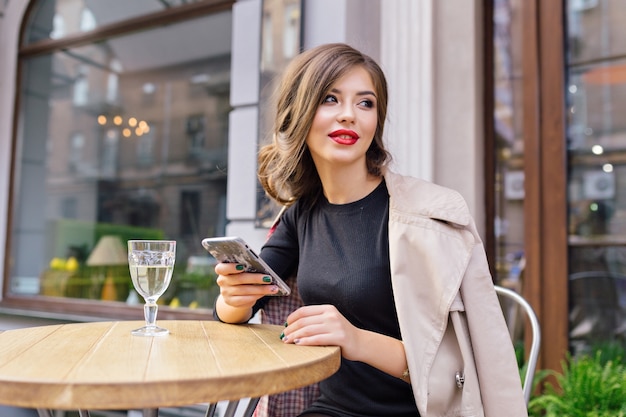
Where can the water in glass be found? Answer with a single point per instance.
(151, 263)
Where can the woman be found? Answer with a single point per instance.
(381, 259)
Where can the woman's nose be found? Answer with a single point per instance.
(346, 113)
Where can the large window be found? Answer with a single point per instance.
(123, 132)
(560, 166)
(596, 142)
(509, 143)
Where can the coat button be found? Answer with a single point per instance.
(460, 379)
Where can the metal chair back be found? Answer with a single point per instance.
(533, 354)
(233, 407)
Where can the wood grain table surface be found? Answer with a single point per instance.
(100, 365)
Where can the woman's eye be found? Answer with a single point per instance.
(367, 103)
(330, 99)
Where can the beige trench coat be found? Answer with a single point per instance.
(438, 265)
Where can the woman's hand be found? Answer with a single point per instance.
(324, 325)
(239, 291)
(242, 289)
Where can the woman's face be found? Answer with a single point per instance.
(345, 122)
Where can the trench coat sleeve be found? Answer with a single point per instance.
(498, 374)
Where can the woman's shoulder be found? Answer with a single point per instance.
(296, 213)
(414, 195)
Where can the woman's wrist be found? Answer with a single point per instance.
(382, 352)
(406, 376)
(230, 314)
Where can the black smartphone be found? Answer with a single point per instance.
(230, 249)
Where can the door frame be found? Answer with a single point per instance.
(545, 284)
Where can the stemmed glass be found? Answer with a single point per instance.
(151, 263)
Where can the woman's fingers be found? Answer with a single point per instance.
(317, 325)
(224, 268)
(313, 314)
(241, 289)
(234, 274)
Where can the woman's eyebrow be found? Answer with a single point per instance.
(359, 93)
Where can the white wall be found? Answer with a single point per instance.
(432, 54)
(458, 102)
(408, 61)
(243, 124)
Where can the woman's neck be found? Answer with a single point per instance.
(343, 186)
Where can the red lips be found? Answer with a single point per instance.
(344, 136)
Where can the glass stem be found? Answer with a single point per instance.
(150, 313)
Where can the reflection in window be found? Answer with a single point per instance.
(76, 151)
(81, 86)
(596, 135)
(68, 208)
(148, 94)
(58, 27)
(189, 211)
(104, 143)
(113, 81)
(267, 57)
(195, 134)
(291, 38)
(145, 145)
(509, 142)
(281, 41)
(88, 15)
(109, 154)
(87, 20)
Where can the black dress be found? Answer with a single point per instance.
(341, 256)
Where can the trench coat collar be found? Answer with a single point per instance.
(442, 203)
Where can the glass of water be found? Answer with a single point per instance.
(151, 263)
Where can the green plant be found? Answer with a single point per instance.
(589, 386)
(610, 351)
(195, 286)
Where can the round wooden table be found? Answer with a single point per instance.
(101, 365)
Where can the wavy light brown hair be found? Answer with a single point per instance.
(286, 169)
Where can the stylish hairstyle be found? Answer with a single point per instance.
(286, 169)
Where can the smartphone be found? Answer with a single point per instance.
(235, 250)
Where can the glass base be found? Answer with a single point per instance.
(150, 331)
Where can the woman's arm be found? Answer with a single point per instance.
(325, 325)
(239, 292)
(382, 352)
(229, 314)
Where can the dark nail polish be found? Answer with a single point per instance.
(239, 267)
(286, 324)
(282, 335)
(267, 279)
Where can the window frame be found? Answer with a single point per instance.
(545, 168)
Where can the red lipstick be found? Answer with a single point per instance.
(344, 136)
